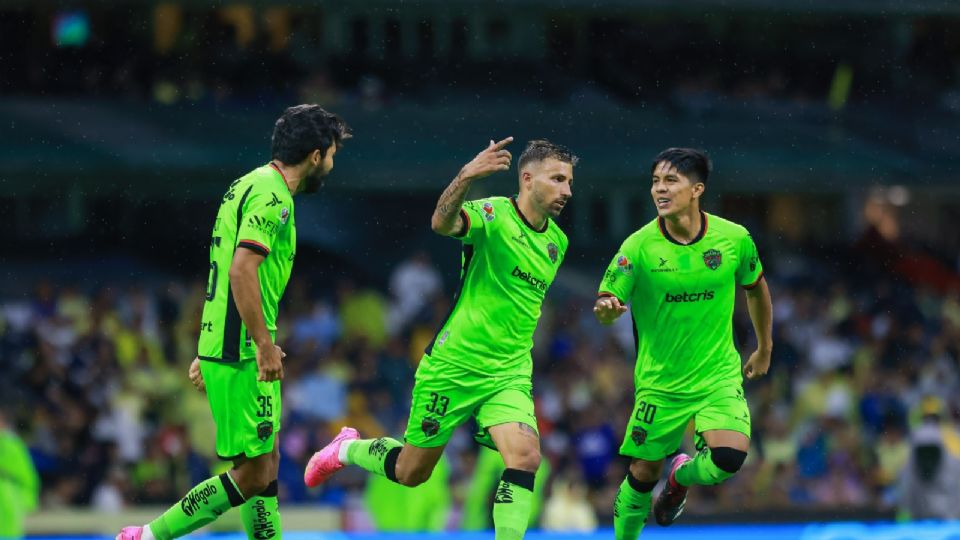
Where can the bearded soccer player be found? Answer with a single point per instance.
(679, 275)
(479, 362)
(251, 256)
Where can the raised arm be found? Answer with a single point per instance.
(446, 216)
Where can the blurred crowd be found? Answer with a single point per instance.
(858, 412)
(169, 53)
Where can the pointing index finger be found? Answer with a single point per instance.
(501, 144)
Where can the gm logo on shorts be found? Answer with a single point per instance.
(430, 426)
(639, 436)
(264, 430)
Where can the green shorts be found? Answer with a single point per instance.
(445, 396)
(245, 410)
(659, 420)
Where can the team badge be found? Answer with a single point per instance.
(638, 436)
(264, 430)
(430, 426)
(552, 251)
(488, 213)
(284, 215)
(624, 265)
(712, 258)
(753, 263)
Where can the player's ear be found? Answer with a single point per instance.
(316, 158)
(699, 188)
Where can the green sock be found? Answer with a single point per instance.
(261, 515)
(511, 506)
(701, 470)
(376, 455)
(630, 510)
(202, 505)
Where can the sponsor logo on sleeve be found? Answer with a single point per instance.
(262, 224)
(488, 213)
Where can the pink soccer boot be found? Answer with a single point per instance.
(327, 461)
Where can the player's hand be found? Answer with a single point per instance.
(195, 376)
(495, 157)
(608, 309)
(269, 364)
(757, 365)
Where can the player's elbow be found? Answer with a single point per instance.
(238, 271)
(439, 226)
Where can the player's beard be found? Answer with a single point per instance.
(547, 205)
(313, 181)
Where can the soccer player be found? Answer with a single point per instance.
(251, 255)
(679, 274)
(479, 362)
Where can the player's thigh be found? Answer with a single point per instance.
(519, 445)
(506, 420)
(724, 419)
(646, 471)
(246, 411)
(442, 400)
(656, 427)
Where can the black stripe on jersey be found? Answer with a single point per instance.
(636, 337)
(753, 285)
(254, 247)
(467, 257)
(232, 322)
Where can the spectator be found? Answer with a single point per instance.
(930, 482)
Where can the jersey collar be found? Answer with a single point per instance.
(666, 234)
(283, 178)
(524, 218)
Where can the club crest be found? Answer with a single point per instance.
(712, 258)
(430, 426)
(552, 252)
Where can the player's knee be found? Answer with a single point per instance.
(252, 481)
(526, 459)
(413, 477)
(646, 471)
(728, 459)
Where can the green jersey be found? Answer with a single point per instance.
(681, 297)
(256, 214)
(19, 484)
(507, 267)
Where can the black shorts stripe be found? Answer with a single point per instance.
(232, 323)
(467, 257)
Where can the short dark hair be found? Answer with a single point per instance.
(301, 129)
(689, 162)
(541, 149)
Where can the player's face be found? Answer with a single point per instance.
(551, 184)
(320, 167)
(673, 192)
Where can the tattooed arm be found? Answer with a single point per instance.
(446, 217)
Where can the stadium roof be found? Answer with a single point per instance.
(106, 146)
